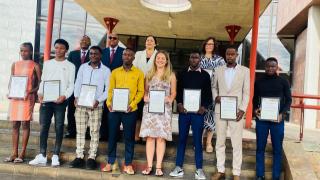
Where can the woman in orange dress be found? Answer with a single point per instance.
(21, 110)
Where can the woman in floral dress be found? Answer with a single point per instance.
(156, 127)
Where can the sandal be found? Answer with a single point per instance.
(158, 172)
(110, 167)
(18, 160)
(9, 159)
(147, 171)
(128, 170)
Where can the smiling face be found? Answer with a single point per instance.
(95, 55)
(161, 60)
(60, 50)
(271, 68)
(209, 47)
(150, 42)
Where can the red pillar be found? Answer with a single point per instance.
(47, 47)
(253, 59)
(111, 24)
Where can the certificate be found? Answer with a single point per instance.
(18, 87)
(156, 101)
(120, 99)
(87, 95)
(228, 107)
(270, 109)
(51, 90)
(210, 71)
(192, 99)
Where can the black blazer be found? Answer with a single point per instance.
(117, 60)
(75, 58)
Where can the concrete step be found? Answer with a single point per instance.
(64, 172)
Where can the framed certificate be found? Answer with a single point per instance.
(18, 87)
(270, 109)
(228, 107)
(192, 99)
(120, 99)
(87, 95)
(51, 90)
(156, 103)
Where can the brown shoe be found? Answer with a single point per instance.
(235, 177)
(128, 170)
(110, 167)
(218, 176)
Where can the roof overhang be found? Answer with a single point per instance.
(205, 18)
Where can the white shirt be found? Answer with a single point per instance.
(81, 52)
(59, 70)
(115, 49)
(98, 76)
(140, 61)
(229, 74)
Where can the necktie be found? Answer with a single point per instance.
(111, 56)
(83, 57)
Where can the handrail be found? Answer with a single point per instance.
(303, 106)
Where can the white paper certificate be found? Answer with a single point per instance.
(156, 101)
(87, 95)
(18, 87)
(51, 90)
(270, 109)
(120, 99)
(228, 107)
(191, 99)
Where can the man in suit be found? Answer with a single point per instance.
(76, 57)
(230, 80)
(112, 58)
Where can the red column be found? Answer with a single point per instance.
(253, 59)
(47, 47)
(111, 24)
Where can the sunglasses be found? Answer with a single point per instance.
(113, 38)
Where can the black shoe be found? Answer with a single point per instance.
(77, 163)
(91, 164)
(260, 178)
(70, 135)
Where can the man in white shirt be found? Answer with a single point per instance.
(93, 73)
(57, 69)
(230, 80)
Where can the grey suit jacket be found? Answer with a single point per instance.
(240, 86)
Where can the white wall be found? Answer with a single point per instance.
(18, 21)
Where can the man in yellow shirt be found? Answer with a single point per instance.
(130, 77)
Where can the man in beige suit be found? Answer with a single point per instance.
(230, 80)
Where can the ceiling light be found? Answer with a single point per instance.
(167, 5)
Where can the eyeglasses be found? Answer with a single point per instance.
(113, 38)
(209, 44)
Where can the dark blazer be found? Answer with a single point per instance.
(117, 60)
(75, 58)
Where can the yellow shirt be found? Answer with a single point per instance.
(132, 79)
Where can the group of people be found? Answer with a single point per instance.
(115, 67)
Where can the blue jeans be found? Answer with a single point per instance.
(128, 121)
(277, 134)
(47, 110)
(196, 121)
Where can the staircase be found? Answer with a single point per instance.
(25, 171)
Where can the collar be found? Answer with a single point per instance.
(199, 69)
(82, 50)
(236, 67)
(99, 65)
(115, 48)
(131, 69)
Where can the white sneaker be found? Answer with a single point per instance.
(55, 160)
(199, 174)
(39, 160)
(177, 172)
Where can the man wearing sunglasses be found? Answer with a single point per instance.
(112, 58)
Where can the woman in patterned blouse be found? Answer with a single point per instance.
(209, 62)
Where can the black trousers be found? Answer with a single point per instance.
(71, 119)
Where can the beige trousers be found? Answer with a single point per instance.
(236, 141)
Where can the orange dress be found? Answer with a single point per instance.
(22, 110)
